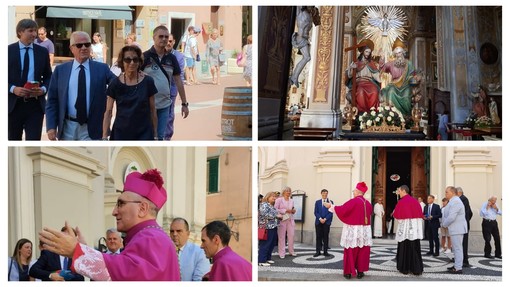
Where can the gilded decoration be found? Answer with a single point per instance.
(324, 51)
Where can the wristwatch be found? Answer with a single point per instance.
(186, 104)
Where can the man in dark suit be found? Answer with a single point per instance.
(469, 215)
(431, 215)
(323, 220)
(28, 64)
(77, 94)
(53, 267)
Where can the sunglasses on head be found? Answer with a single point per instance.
(129, 60)
(79, 45)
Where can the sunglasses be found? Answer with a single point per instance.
(163, 36)
(79, 45)
(129, 60)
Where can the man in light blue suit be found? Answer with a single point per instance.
(455, 220)
(65, 120)
(192, 261)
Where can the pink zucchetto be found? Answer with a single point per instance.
(148, 185)
(361, 186)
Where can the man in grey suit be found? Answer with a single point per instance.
(454, 219)
(77, 94)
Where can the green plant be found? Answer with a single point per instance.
(235, 53)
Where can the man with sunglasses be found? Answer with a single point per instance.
(77, 94)
(149, 253)
(164, 68)
(29, 77)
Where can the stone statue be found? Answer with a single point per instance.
(306, 16)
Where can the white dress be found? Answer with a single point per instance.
(378, 219)
(98, 52)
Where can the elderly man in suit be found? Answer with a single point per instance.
(28, 64)
(323, 220)
(431, 215)
(454, 219)
(77, 94)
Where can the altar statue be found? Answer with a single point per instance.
(306, 16)
(367, 78)
(493, 109)
(399, 91)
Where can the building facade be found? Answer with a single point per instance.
(426, 170)
(49, 185)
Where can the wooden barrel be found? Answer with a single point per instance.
(236, 113)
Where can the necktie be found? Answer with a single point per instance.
(179, 260)
(81, 101)
(66, 262)
(430, 209)
(26, 65)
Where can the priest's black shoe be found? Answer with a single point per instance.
(326, 254)
(317, 254)
(436, 254)
(499, 257)
(489, 256)
(429, 253)
(347, 276)
(360, 275)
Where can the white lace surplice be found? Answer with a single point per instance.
(356, 236)
(91, 264)
(410, 229)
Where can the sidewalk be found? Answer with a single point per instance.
(305, 267)
(205, 102)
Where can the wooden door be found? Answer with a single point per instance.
(418, 176)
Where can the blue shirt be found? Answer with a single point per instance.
(192, 262)
(490, 213)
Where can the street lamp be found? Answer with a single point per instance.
(230, 223)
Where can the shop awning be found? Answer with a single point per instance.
(90, 12)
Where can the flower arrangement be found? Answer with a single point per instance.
(384, 118)
(470, 120)
(483, 122)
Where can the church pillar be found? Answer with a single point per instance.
(324, 76)
(453, 40)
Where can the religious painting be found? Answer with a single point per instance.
(489, 53)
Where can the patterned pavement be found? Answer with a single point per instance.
(305, 267)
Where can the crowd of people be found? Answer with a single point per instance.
(415, 221)
(65, 256)
(78, 97)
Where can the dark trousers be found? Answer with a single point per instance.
(26, 115)
(465, 243)
(491, 228)
(433, 237)
(322, 236)
(266, 246)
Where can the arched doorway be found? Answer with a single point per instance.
(396, 166)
